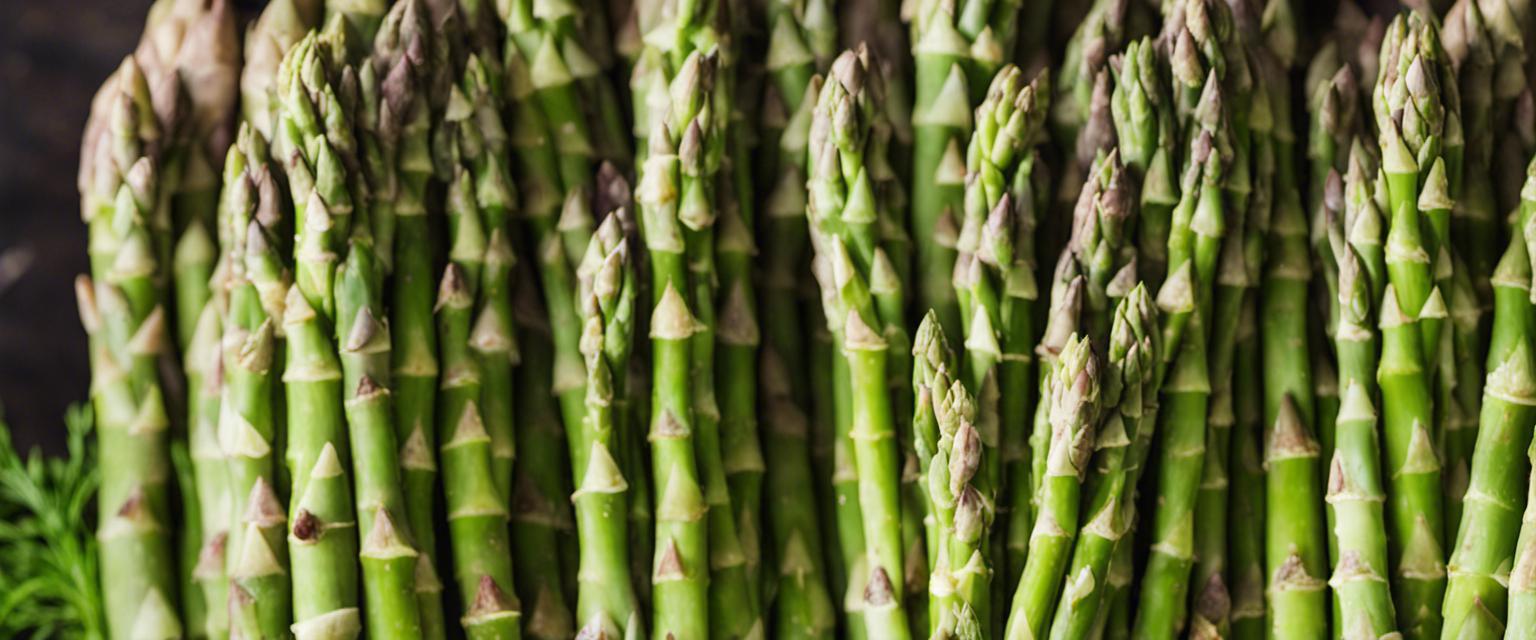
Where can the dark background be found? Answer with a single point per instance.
(53, 55)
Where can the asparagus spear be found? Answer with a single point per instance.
(1509, 295)
(318, 100)
(994, 277)
(1297, 555)
(541, 486)
(388, 557)
(281, 25)
(735, 362)
(802, 42)
(210, 498)
(956, 48)
(607, 607)
(1522, 577)
(122, 308)
(1074, 392)
(947, 436)
(477, 512)
(1081, 118)
(1213, 182)
(673, 196)
(256, 283)
(1418, 200)
(703, 144)
(404, 127)
(1102, 268)
(861, 294)
(1355, 494)
(1142, 111)
(1474, 597)
(1123, 441)
(359, 18)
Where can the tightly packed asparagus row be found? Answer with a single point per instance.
(413, 361)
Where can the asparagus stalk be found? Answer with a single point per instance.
(1123, 441)
(541, 485)
(122, 308)
(1141, 106)
(1509, 295)
(1475, 232)
(318, 99)
(703, 144)
(359, 18)
(1474, 597)
(859, 286)
(956, 48)
(1355, 494)
(946, 435)
(196, 44)
(674, 202)
(553, 178)
(256, 283)
(736, 327)
(281, 25)
(994, 277)
(1418, 200)
(1297, 555)
(1213, 182)
(210, 498)
(606, 606)
(1074, 392)
(1100, 263)
(404, 127)
(388, 557)
(801, 42)
(1522, 577)
(477, 512)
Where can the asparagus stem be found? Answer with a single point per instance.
(606, 607)
(802, 41)
(859, 288)
(994, 278)
(956, 49)
(542, 482)
(122, 305)
(1473, 594)
(1123, 441)
(672, 195)
(477, 511)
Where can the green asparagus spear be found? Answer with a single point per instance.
(675, 206)
(607, 606)
(801, 42)
(1486, 540)
(122, 305)
(1412, 114)
(858, 286)
(256, 284)
(477, 512)
(404, 126)
(1212, 197)
(956, 48)
(994, 278)
(315, 138)
(1075, 406)
(946, 434)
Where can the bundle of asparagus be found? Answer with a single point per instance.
(387, 370)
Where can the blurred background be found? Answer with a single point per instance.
(53, 55)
